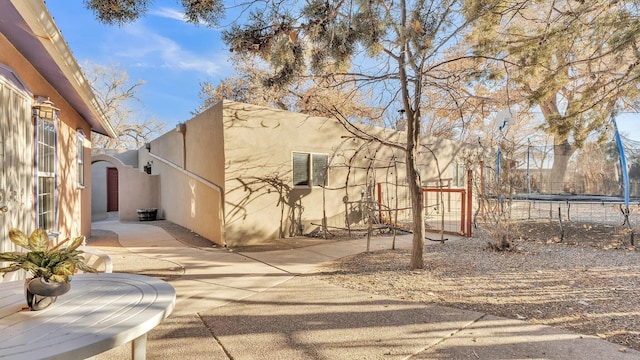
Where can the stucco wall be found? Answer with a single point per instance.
(205, 145)
(192, 195)
(141, 192)
(74, 213)
(136, 189)
(99, 179)
(127, 157)
(99, 190)
(169, 146)
(240, 155)
(261, 201)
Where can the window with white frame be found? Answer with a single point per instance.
(458, 176)
(310, 169)
(45, 153)
(80, 139)
(319, 169)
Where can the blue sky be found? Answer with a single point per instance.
(629, 125)
(172, 57)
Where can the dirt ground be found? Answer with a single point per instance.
(588, 283)
(595, 235)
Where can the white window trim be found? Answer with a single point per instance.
(80, 159)
(54, 228)
(310, 168)
(12, 79)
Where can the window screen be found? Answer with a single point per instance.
(80, 158)
(320, 163)
(46, 149)
(300, 169)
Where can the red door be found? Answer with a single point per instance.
(112, 189)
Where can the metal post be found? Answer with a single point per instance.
(623, 161)
(469, 200)
(528, 173)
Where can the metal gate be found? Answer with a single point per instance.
(445, 209)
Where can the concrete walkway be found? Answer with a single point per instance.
(262, 306)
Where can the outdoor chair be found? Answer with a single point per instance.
(97, 259)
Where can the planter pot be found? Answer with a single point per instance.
(147, 214)
(41, 293)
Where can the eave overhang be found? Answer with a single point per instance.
(28, 25)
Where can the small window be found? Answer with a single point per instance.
(300, 169)
(458, 175)
(310, 169)
(80, 139)
(46, 173)
(319, 163)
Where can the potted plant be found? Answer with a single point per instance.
(51, 267)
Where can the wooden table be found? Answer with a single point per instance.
(102, 311)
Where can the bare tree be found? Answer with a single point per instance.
(306, 95)
(398, 48)
(117, 95)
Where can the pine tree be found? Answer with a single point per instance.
(575, 61)
(120, 12)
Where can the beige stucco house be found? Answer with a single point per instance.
(47, 115)
(239, 173)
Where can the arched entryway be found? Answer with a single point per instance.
(105, 190)
(120, 187)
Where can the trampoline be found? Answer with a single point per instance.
(583, 198)
(596, 184)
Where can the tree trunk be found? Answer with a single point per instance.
(562, 149)
(561, 154)
(413, 118)
(413, 177)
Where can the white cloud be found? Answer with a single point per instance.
(168, 13)
(149, 49)
(173, 14)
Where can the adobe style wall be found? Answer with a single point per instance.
(189, 165)
(136, 189)
(227, 173)
(261, 201)
(99, 178)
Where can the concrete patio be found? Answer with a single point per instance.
(260, 305)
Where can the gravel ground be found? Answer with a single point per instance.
(586, 289)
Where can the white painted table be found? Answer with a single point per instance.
(100, 312)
